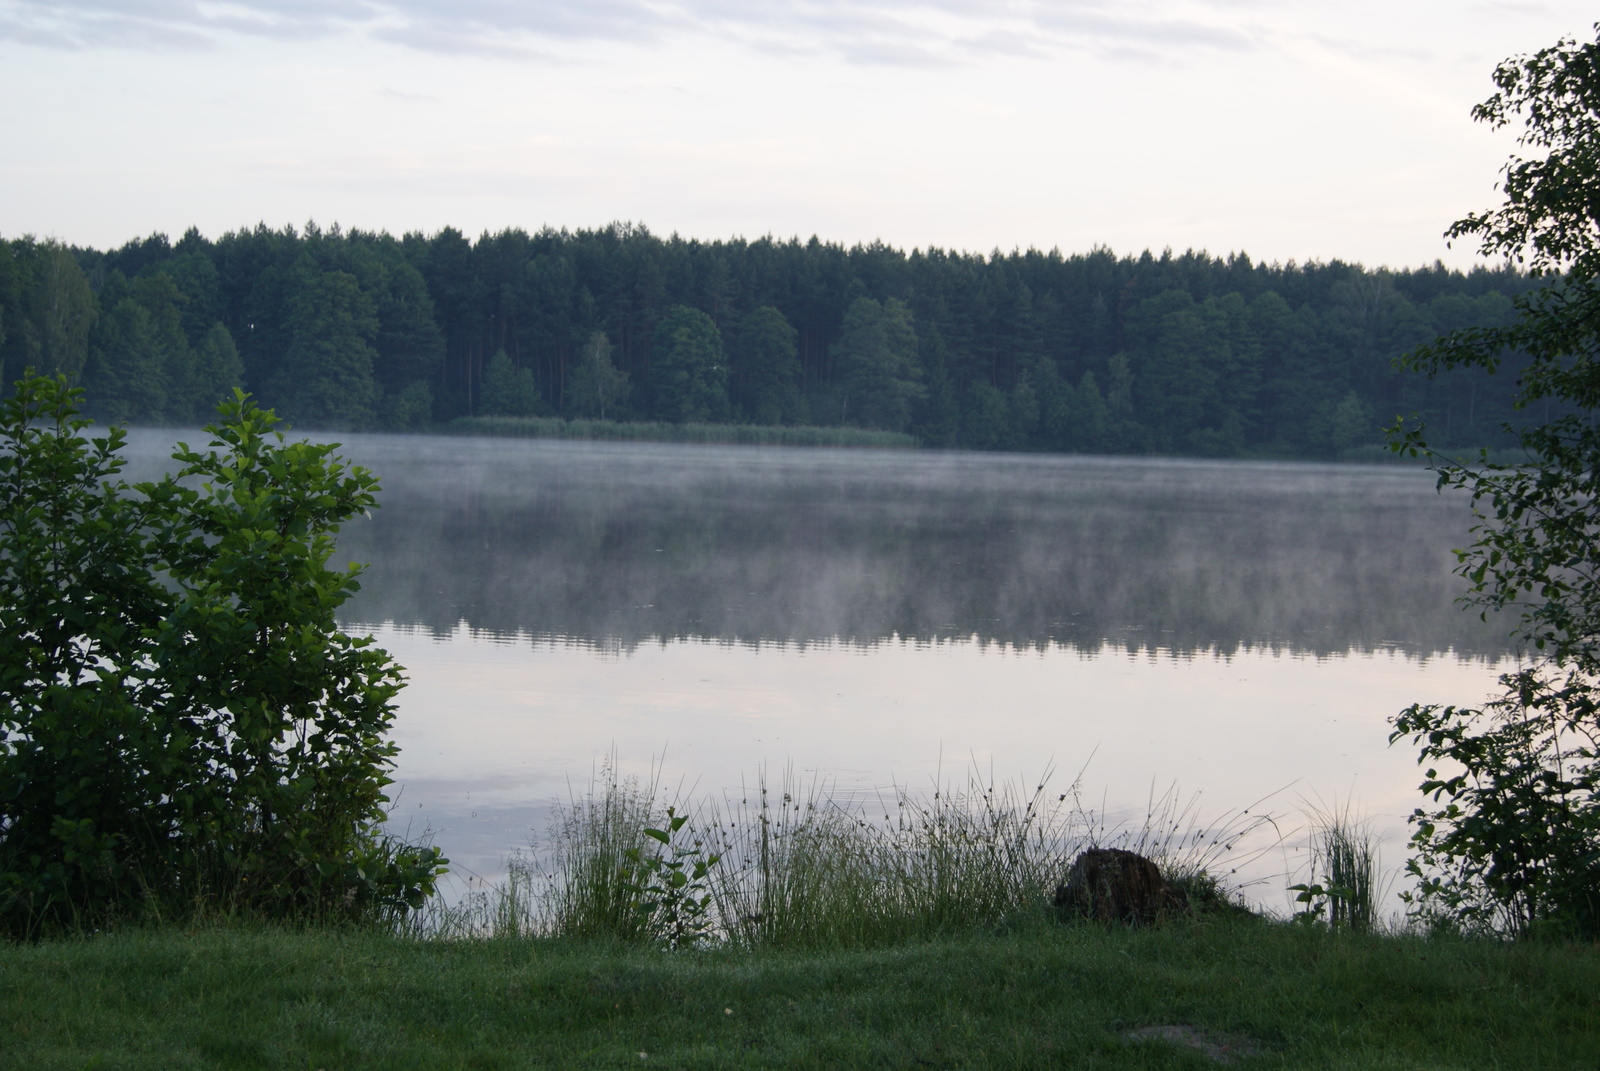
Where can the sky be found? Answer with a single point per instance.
(1285, 129)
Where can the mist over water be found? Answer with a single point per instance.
(620, 544)
(872, 619)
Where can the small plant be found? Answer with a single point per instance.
(589, 862)
(670, 886)
(1343, 867)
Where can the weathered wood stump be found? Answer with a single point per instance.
(1112, 885)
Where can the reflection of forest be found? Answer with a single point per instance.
(620, 544)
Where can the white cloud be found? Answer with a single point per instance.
(876, 32)
(1289, 128)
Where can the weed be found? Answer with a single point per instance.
(1342, 890)
(669, 885)
(792, 866)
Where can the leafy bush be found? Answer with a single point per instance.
(183, 726)
(1515, 846)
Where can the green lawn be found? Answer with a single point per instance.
(1255, 995)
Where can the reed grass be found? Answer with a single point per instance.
(576, 886)
(1380, 454)
(807, 871)
(804, 868)
(645, 431)
(1343, 888)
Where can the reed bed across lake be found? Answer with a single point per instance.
(657, 431)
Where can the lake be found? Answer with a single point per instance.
(872, 619)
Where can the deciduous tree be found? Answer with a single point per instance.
(878, 367)
(768, 367)
(1516, 843)
(595, 386)
(688, 368)
(183, 725)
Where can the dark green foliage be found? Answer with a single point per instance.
(63, 310)
(767, 364)
(217, 371)
(876, 357)
(1515, 845)
(1342, 890)
(183, 727)
(410, 346)
(1189, 353)
(141, 366)
(669, 883)
(410, 409)
(1193, 373)
(325, 377)
(1549, 216)
(508, 391)
(46, 309)
(126, 369)
(939, 419)
(688, 369)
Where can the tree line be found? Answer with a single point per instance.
(1186, 354)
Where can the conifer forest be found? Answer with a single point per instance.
(1173, 354)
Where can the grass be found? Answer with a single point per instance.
(798, 868)
(1038, 995)
(907, 933)
(1343, 860)
(644, 431)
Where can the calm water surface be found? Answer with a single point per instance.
(881, 618)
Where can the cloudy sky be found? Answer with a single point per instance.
(1285, 128)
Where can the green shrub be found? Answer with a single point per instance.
(183, 727)
(1511, 840)
(1515, 847)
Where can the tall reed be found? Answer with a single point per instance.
(576, 884)
(1343, 863)
(806, 870)
(647, 431)
(803, 866)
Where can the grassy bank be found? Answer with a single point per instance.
(1187, 995)
(790, 866)
(733, 434)
(912, 934)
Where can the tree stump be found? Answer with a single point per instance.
(1112, 885)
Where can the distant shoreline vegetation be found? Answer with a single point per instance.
(731, 434)
(616, 332)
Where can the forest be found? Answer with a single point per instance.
(1173, 354)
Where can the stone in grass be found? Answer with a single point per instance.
(1113, 885)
